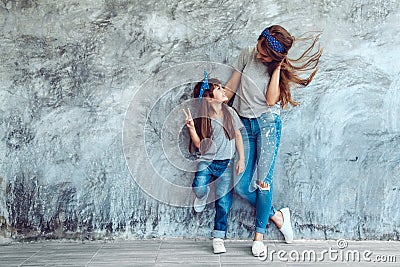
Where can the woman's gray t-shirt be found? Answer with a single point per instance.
(250, 101)
(222, 148)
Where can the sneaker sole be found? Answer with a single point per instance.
(200, 207)
(287, 219)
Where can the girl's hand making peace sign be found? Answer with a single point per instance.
(189, 119)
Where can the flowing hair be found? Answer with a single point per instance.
(290, 68)
(202, 123)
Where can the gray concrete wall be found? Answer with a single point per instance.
(76, 75)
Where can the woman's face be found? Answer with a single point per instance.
(219, 94)
(262, 55)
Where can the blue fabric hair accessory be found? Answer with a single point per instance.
(272, 42)
(204, 85)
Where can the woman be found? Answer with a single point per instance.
(261, 83)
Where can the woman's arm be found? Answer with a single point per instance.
(233, 83)
(273, 92)
(240, 149)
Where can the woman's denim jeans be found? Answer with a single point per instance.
(221, 172)
(261, 139)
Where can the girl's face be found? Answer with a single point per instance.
(219, 93)
(262, 55)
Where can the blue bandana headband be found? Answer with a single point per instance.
(272, 42)
(204, 85)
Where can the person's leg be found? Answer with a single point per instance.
(267, 148)
(276, 216)
(202, 179)
(243, 181)
(223, 196)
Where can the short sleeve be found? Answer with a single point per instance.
(237, 122)
(242, 60)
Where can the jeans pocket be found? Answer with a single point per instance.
(269, 120)
(265, 119)
(202, 166)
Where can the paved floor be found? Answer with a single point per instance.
(178, 252)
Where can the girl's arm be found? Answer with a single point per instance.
(240, 149)
(233, 83)
(273, 92)
(194, 136)
(192, 130)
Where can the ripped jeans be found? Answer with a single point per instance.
(261, 139)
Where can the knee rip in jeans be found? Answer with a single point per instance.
(263, 185)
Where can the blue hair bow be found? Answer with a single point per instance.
(272, 42)
(204, 85)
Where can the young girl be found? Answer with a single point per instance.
(215, 133)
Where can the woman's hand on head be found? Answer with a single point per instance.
(279, 65)
(188, 120)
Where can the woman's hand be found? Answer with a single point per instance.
(279, 65)
(240, 166)
(189, 120)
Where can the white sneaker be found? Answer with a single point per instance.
(218, 245)
(259, 249)
(200, 203)
(286, 228)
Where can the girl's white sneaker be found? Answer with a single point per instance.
(259, 249)
(218, 245)
(200, 203)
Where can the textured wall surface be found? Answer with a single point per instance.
(70, 70)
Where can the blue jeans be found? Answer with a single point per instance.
(219, 171)
(261, 139)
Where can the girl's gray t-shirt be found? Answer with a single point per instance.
(250, 99)
(222, 148)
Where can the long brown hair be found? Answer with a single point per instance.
(203, 122)
(290, 68)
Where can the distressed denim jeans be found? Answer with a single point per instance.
(219, 171)
(261, 139)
